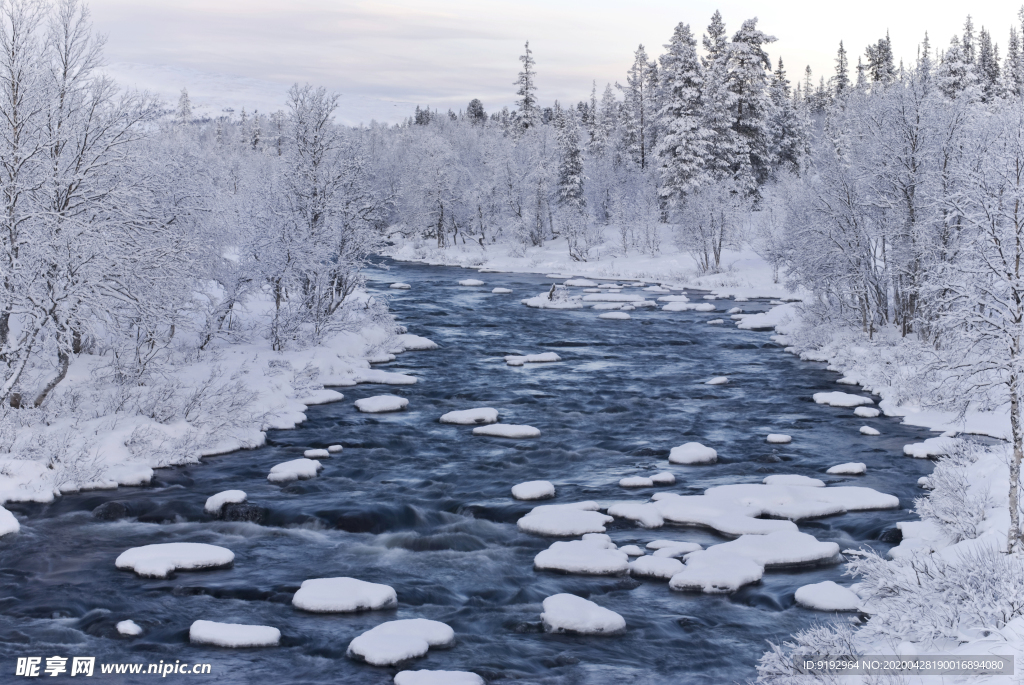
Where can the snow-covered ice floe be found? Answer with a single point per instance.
(565, 613)
(379, 404)
(160, 560)
(717, 380)
(866, 412)
(827, 596)
(501, 291)
(381, 377)
(841, 399)
(793, 479)
(581, 283)
(693, 453)
(610, 306)
(316, 454)
(564, 520)
(520, 359)
(471, 417)
(664, 478)
(715, 322)
(617, 316)
(8, 524)
(342, 595)
(673, 298)
(216, 502)
(636, 482)
(779, 438)
(853, 468)
(407, 342)
(868, 430)
(507, 430)
(296, 469)
(396, 641)
(334, 449)
(632, 550)
(592, 557)
(614, 297)
(233, 635)
(688, 307)
(731, 565)
(932, 447)
(129, 628)
(655, 567)
(471, 281)
(543, 301)
(400, 286)
(533, 489)
(672, 549)
(425, 677)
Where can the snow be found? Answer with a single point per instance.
(664, 478)
(655, 567)
(846, 380)
(692, 453)
(827, 596)
(160, 560)
(672, 549)
(533, 489)
(866, 412)
(686, 307)
(335, 595)
(673, 298)
(216, 502)
(932, 447)
(715, 322)
(400, 286)
(334, 449)
(735, 310)
(379, 404)
(717, 380)
(316, 454)
(519, 360)
(497, 291)
(647, 515)
(768, 320)
(794, 480)
(471, 281)
(407, 342)
(425, 677)
(853, 468)
(393, 642)
(841, 399)
(581, 283)
(542, 301)
(614, 297)
(8, 524)
(233, 634)
(618, 316)
(565, 613)
(380, 377)
(468, 417)
(507, 430)
(868, 430)
(129, 628)
(585, 557)
(564, 520)
(636, 482)
(632, 550)
(779, 438)
(296, 469)
(609, 306)
(730, 565)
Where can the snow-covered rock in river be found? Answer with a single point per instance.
(672, 549)
(636, 482)
(644, 513)
(316, 454)
(296, 469)
(866, 412)
(795, 480)
(609, 306)
(564, 520)
(932, 447)
(559, 301)
(128, 627)
(632, 550)
(501, 291)
(471, 417)
(847, 381)
(853, 468)
(692, 453)
(827, 596)
(715, 322)
(160, 560)
(8, 524)
(507, 430)
(868, 430)
(533, 489)
(400, 286)
(655, 567)
(663, 478)
(471, 281)
(337, 595)
(779, 438)
(614, 297)
(765, 321)
(717, 380)
(397, 641)
(586, 557)
(581, 283)
(407, 342)
(617, 316)
(673, 298)
(687, 307)
(334, 449)
(841, 399)
(565, 613)
(379, 404)
(730, 565)
(519, 360)
(425, 677)
(381, 377)
(233, 635)
(216, 502)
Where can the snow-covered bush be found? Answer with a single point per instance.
(953, 504)
(777, 665)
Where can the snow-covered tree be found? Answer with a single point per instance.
(683, 142)
(529, 117)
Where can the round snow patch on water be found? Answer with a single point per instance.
(693, 453)
(827, 596)
(717, 380)
(866, 412)
(565, 613)
(341, 595)
(853, 468)
(400, 286)
(636, 482)
(160, 560)
(233, 635)
(564, 520)
(507, 430)
(715, 322)
(533, 489)
(129, 628)
(397, 641)
(841, 399)
(632, 550)
(655, 567)
(496, 291)
(794, 480)
(471, 281)
(424, 677)
(216, 502)
(617, 316)
(380, 404)
(471, 417)
(296, 469)
(868, 430)
(663, 478)
(316, 454)
(779, 439)
(333, 449)
(586, 557)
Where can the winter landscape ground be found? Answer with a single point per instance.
(695, 380)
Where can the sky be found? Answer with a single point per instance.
(387, 56)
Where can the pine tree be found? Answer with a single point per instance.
(527, 102)
(605, 122)
(1013, 67)
(970, 52)
(683, 143)
(475, 112)
(790, 133)
(184, 114)
(637, 106)
(571, 178)
(748, 69)
(880, 60)
(724, 149)
(955, 76)
(925, 66)
(987, 66)
(841, 81)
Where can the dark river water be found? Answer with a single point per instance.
(426, 508)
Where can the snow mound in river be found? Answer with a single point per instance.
(565, 613)
(160, 560)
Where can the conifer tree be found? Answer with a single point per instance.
(527, 102)
(748, 69)
(184, 114)
(724, 148)
(841, 81)
(637, 103)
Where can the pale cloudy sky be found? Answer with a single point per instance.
(386, 57)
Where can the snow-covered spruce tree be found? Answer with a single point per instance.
(788, 126)
(725, 151)
(748, 69)
(571, 184)
(475, 112)
(638, 108)
(528, 116)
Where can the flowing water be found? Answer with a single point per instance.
(425, 507)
